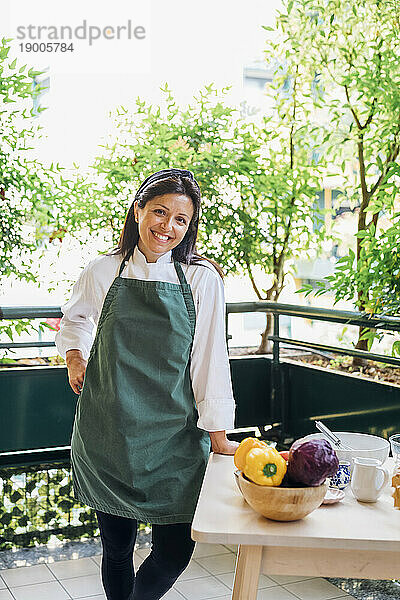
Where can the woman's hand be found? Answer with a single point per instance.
(76, 366)
(220, 443)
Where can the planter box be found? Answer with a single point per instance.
(38, 406)
(251, 383)
(345, 402)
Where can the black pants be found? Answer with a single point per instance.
(172, 548)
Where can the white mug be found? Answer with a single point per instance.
(368, 479)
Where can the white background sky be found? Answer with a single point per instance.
(187, 45)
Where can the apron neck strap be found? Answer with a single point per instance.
(178, 268)
(187, 295)
(125, 261)
(180, 273)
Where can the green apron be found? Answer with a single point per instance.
(136, 450)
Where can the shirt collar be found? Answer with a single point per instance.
(139, 258)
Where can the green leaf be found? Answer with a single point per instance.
(396, 348)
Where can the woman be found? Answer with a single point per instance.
(155, 388)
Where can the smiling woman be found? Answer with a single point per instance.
(163, 223)
(154, 385)
(168, 204)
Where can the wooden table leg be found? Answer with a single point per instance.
(247, 572)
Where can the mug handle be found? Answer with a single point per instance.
(386, 477)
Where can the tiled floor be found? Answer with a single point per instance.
(208, 576)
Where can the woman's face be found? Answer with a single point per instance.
(167, 216)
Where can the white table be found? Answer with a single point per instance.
(347, 539)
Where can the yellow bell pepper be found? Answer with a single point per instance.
(244, 447)
(265, 466)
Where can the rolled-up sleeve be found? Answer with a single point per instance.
(80, 316)
(209, 369)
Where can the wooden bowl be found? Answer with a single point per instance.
(281, 503)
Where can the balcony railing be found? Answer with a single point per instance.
(278, 401)
(344, 317)
(48, 469)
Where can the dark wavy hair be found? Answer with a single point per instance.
(186, 251)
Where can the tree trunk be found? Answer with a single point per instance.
(361, 344)
(265, 346)
(274, 291)
(362, 218)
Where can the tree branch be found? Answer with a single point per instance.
(371, 114)
(374, 101)
(364, 190)
(278, 264)
(284, 245)
(374, 220)
(293, 118)
(253, 283)
(353, 112)
(392, 155)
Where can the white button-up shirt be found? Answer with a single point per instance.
(209, 366)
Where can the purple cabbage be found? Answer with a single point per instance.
(312, 461)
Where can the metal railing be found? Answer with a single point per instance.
(276, 393)
(29, 312)
(278, 404)
(344, 317)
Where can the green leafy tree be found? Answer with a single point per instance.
(258, 187)
(380, 275)
(354, 48)
(293, 167)
(19, 184)
(31, 194)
